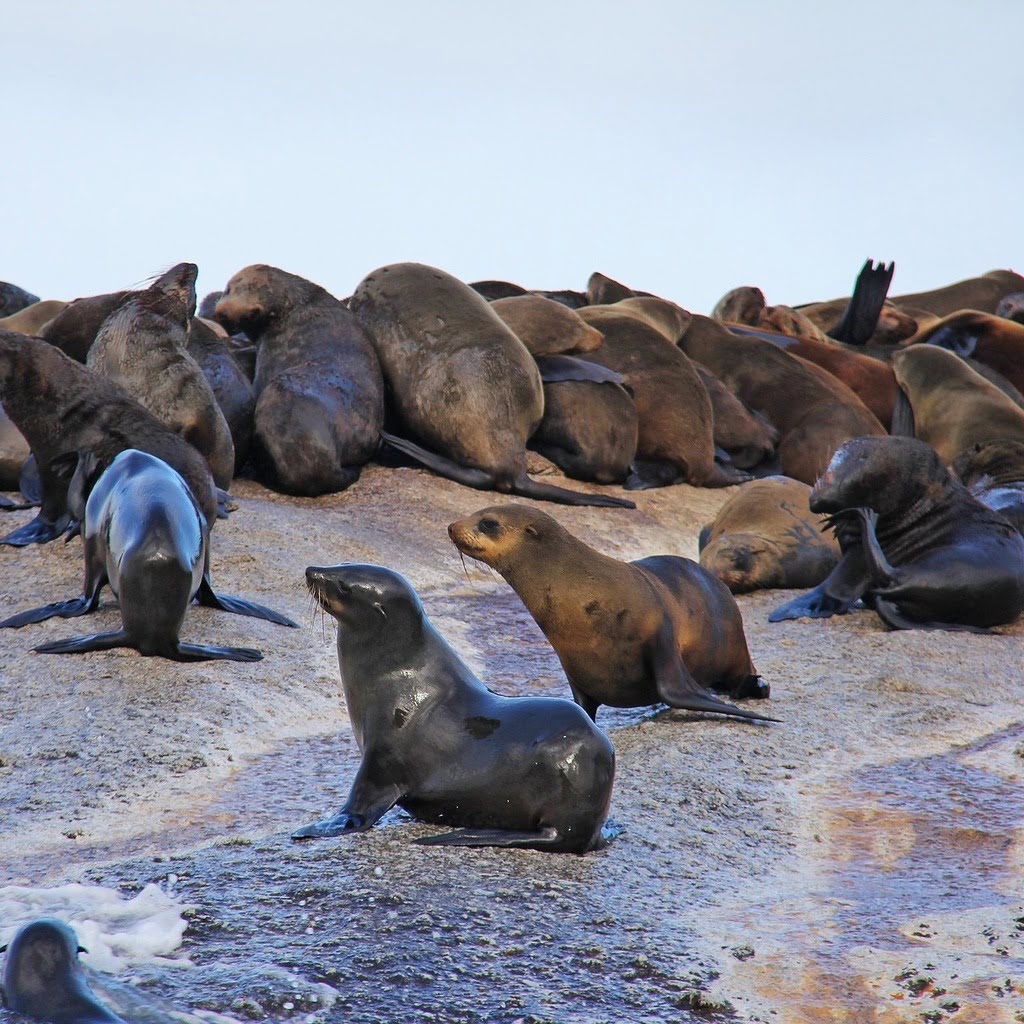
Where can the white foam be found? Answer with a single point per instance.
(118, 932)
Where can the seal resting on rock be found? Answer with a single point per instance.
(628, 634)
(143, 534)
(916, 545)
(765, 537)
(319, 391)
(546, 327)
(508, 771)
(44, 980)
(461, 380)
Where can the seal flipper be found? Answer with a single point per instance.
(208, 598)
(677, 687)
(65, 609)
(203, 652)
(891, 615)
(554, 369)
(836, 595)
(82, 644)
(41, 530)
(902, 422)
(860, 318)
(481, 481)
(15, 506)
(491, 837)
(368, 801)
(30, 483)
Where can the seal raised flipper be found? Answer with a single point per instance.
(492, 837)
(208, 598)
(482, 481)
(677, 687)
(860, 318)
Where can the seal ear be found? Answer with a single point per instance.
(531, 530)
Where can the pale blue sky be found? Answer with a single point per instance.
(684, 148)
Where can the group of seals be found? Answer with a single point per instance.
(144, 534)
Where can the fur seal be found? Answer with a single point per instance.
(142, 346)
(13, 299)
(519, 772)
(814, 415)
(628, 634)
(916, 545)
(661, 314)
(603, 290)
(949, 405)
(62, 407)
(319, 390)
(546, 327)
(745, 436)
(43, 978)
(1011, 307)
(993, 471)
(74, 328)
(142, 533)
(589, 429)
(764, 537)
(742, 305)
(461, 381)
(675, 443)
(32, 319)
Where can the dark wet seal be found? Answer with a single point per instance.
(43, 978)
(143, 534)
(530, 772)
(628, 634)
(917, 547)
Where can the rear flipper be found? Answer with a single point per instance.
(40, 531)
(677, 687)
(30, 483)
(225, 503)
(15, 506)
(493, 837)
(202, 652)
(860, 318)
(209, 599)
(65, 609)
(83, 644)
(482, 481)
(725, 475)
(891, 615)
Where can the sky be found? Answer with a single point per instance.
(683, 148)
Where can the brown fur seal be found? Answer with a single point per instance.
(74, 328)
(530, 772)
(61, 406)
(461, 381)
(602, 290)
(765, 537)
(32, 319)
(44, 980)
(742, 305)
(993, 341)
(813, 417)
(745, 436)
(142, 346)
(664, 316)
(628, 634)
(1011, 307)
(142, 533)
(676, 422)
(871, 380)
(916, 545)
(13, 299)
(993, 471)
(546, 327)
(320, 395)
(589, 429)
(949, 405)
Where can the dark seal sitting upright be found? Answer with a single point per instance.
(461, 380)
(62, 408)
(143, 534)
(44, 980)
(916, 545)
(319, 392)
(511, 771)
(628, 634)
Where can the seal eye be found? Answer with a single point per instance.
(489, 526)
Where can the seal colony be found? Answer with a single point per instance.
(898, 422)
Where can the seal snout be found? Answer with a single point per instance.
(326, 585)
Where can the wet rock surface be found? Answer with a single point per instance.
(841, 866)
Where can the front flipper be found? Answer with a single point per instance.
(367, 803)
(40, 531)
(203, 652)
(860, 318)
(528, 488)
(835, 596)
(883, 574)
(210, 599)
(677, 687)
(64, 609)
(83, 644)
(491, 837)
(725, 475)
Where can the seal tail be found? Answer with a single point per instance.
(210, 599)
(860, 318)
(481, 481)
(492, 837)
